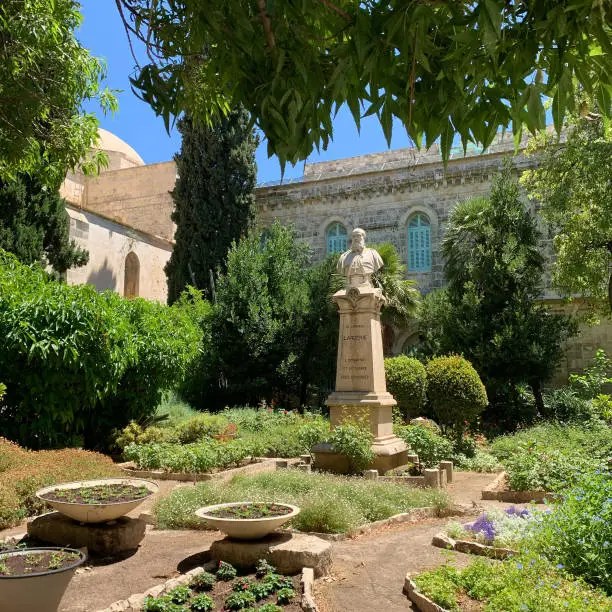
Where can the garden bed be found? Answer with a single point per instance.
(498, 490)
(264, 586)
(256, 465)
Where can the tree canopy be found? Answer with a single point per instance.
(45, 77)
(441, 68)
(573, 183)
(35, 226)
(213, 198)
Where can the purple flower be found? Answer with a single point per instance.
(484, 526)
(514, 511)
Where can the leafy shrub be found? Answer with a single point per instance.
(566, 405)
(263, 567)
(429, 446)
(269, 607)
(407, 382)
(589, 384)
(285, 596)
(239, 601)
(552, 456)
(201, 426)
(133, 433)
(79, 364)
(354, 442)
(578, 534)
(226, 571)
(161, 604)
(329, 504)
(203, 582)
(26, 471)
(179, 594)
(455, 391)
(202, 603)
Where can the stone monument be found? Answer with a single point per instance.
(361, 390)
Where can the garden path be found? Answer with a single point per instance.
(368, 572)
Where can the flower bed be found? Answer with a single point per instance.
(99, 494)
(224, 590)
(495, 529)
(526, 583)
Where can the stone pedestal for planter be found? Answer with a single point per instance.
(105, 539)
(361, 391)
(288, 552)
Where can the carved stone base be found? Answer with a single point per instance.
(389, 453)
(373, 410)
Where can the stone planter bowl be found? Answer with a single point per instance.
(42, 591)
(245, 529)
(97, 513)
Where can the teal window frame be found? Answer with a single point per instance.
(419, 243)
(336, 238)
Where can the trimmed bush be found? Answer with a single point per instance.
(407, 382)
(455, 391)
(428, 445)
(78, 364)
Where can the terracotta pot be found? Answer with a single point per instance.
(41, 592)
(97, 513)
(245, 529)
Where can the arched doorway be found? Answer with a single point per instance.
(131, 279)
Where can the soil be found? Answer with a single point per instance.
(251, 511)
(222, 589)
(101, 494)
(36, 562)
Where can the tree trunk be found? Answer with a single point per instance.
(537, 394)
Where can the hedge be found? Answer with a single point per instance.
(407, 382)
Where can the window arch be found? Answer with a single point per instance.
(131, 278)
(337, 238)
(419, 243)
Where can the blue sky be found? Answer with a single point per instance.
(102, 32)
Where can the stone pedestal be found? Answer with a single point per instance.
(102, 538)
(361, 391)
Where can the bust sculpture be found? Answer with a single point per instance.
(359, 263)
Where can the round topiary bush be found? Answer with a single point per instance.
(407, 382)
(455, 391)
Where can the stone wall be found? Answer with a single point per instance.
(138, 197)
(109, 244)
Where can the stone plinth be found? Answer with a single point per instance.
(361, 390)
(105, 539)
(288, 552)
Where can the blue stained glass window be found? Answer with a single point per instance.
(337, 241)
(419, 244)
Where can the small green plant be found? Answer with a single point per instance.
(261, 590)
(239, 601)
(589, 384)
(203, 582)
(277, 581)
(284, 596)
(180, 594)
(354, 442)
(202, 603)
(226, 571)
(242, 584)
(263, 567)
(269, 607)
(161, 604)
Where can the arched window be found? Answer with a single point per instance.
(131, 279)
(419, 244)
(336, 238)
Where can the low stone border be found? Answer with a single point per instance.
(412, 516)
(442, 540)
(495, 491)
(262, 465)
(135, 602)
(423, 603)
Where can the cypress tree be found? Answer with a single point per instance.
(35, 226)
(213, 198)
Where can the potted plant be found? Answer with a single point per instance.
(97, 501)
(247, 520)
(36, 578)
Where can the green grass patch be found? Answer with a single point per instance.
(329, 504)
(525, 583)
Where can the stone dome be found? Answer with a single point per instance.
(114, 145)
